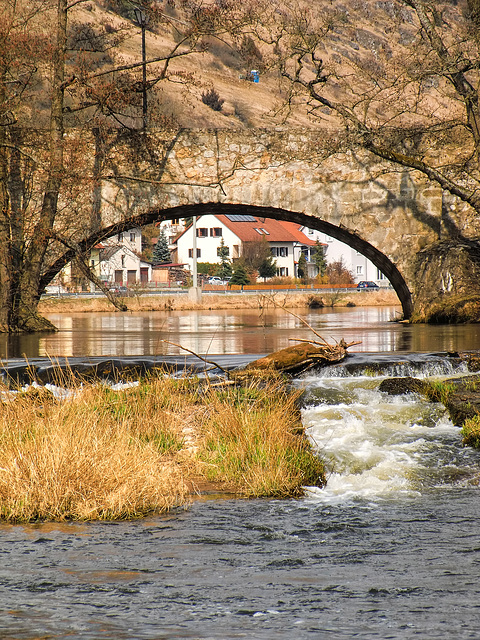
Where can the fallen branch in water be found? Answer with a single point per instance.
(214, 364)
(303, 356)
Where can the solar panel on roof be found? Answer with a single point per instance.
(234, 217)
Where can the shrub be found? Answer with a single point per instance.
(212, 100)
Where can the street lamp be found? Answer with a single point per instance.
(141, 19)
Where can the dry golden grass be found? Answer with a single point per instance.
(81, 459)
(252, 438)
(210, 301)
(105, 454)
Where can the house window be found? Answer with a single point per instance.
(265, 232)
(190, 253)
(123, 260)
(132, 236)
(310, 232)
(93, 263)
(259, 231)
(283, 252)
(274, 251)
(225, 249)
(202, 232)
(359, 269)
(120, 237)
(380, 275)
(216, 232)
(282, 272)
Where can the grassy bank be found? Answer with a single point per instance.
(181, 302)
(105, 454)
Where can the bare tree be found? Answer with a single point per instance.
(58, 75)
(399, 80)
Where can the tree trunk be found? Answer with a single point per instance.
(21, 263)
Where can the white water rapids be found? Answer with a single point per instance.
(376, 446)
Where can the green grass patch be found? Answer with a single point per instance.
(471, 432)
(437, 391)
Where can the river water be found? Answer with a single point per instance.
(389, 549)
(233, 332)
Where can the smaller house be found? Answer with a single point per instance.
(360, 266)
(118, 264)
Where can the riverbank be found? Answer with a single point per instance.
(96, 453)
(181, 302)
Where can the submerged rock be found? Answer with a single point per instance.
(400, 386)
(460, 396)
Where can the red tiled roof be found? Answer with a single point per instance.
(277, 231)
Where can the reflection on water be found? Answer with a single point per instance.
(232, 332)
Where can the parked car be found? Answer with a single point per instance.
(368, 284)
(120, 291)
(215, 280)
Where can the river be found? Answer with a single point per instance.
(390, 549)
(232, 332)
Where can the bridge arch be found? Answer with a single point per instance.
(379, 259)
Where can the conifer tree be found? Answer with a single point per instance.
(225, 268)
(161, 253)
(240, 275)
(319, 258)
(267, 268)
(302, 266)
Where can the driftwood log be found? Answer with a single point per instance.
(302, 356)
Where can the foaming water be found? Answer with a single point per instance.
(389, 549)
(376, 446)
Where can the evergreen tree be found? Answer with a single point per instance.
(302, 266)
(319, 258)
(161, 253)
(240, 275)
(267, 268)
(225, 268)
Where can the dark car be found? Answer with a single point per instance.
(368, 284)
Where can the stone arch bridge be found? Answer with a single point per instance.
(393, 216)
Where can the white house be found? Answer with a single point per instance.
(360, 266)
(285, 239)
(117, 259)
(120, 265)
